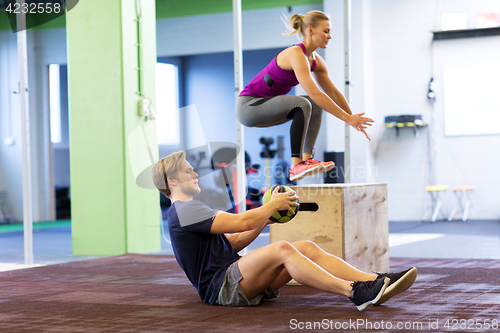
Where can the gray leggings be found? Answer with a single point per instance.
(254, 111)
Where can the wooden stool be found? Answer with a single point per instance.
(434, 191)
(346, 220)
(462, 194)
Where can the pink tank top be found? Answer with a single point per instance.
(274, 81)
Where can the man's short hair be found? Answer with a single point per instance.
(167, 167)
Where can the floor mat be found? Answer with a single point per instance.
(150, 293)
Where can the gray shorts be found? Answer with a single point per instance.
(231, 293)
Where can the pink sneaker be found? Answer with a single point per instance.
(327, 165)
(304, 169)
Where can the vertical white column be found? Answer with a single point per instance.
(347, 71)
(238, 85)
(22, 55)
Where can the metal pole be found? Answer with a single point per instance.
(238, 84)
(22, 56)
(347, 71)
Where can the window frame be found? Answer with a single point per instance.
(167, 148)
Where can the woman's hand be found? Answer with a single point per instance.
(284, 200)
(359, 123)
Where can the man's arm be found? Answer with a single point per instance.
(241, 240)
(255, 218)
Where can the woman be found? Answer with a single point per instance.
(264, 103)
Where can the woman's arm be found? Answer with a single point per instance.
(321, 75)
(300, 66)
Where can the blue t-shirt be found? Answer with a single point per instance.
(203, 256)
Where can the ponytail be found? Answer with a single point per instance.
(299, 23)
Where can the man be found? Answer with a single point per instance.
(206, 244)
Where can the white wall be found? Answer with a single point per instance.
(334, 57)
(468, 160)
(10, 124)
(44, 47)
(402, 66)
(360, 99)
(11, 155)
(391, 65)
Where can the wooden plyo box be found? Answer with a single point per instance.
(350, 222)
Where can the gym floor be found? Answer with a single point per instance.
(441, 239)
(150, 293)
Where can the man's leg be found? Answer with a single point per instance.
(280, 260)
(399, 282)
(330, 263)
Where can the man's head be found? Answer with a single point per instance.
(174, 175)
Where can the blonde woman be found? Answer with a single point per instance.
(264, 103)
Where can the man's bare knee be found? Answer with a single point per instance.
(307, 248)
(305, 244)
(283, 248)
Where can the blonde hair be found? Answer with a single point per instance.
(299, 23)
(167, 167)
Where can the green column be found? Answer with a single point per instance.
(110, 214)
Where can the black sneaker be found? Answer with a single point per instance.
(365, 293)
(399, 282)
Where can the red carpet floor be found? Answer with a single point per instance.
(148, 293)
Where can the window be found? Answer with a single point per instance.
(55, 103)
(167, 104)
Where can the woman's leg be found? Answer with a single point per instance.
(313, 129)
(270, 111)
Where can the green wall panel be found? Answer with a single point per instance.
(175, 8)
(56, 23)
(110, 214)
(4, 22)
(143, 214)
(95, 108)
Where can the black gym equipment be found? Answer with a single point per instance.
(224, 159)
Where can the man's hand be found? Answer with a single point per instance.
(359, 123)
(283, 201)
